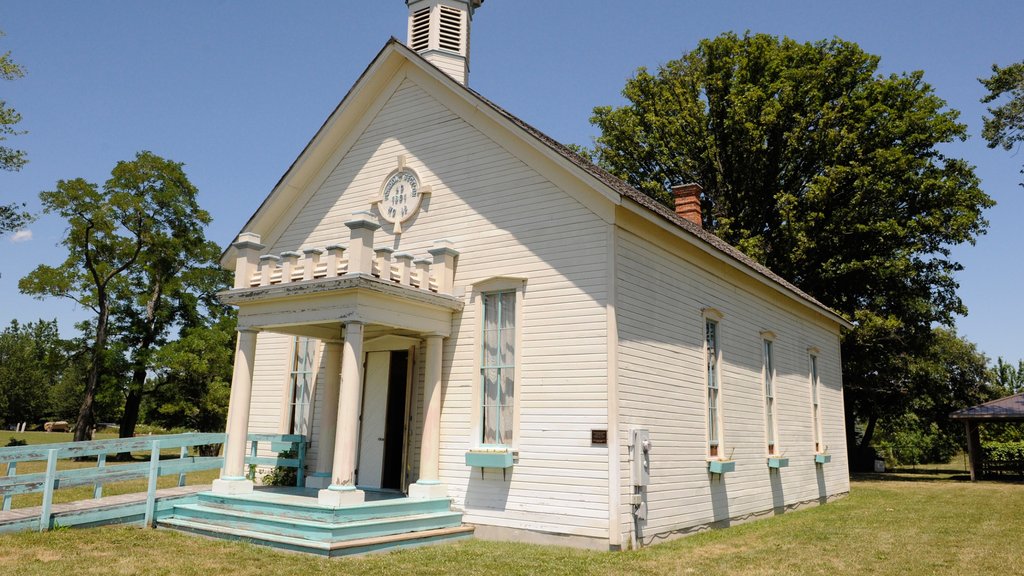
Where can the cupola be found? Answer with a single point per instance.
(439, 31)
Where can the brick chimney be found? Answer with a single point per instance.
(687, 198)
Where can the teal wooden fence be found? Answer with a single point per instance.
(47, 482)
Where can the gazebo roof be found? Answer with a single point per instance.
(1009, 408)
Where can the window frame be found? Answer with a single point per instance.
(288, 419)
(714, 429)
(476, 292)
(814, 381)
(769, 391)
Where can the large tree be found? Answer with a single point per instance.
(12, 216)
(116, 234)
(824, 170)
(1005, 126)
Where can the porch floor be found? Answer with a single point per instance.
(292, 519)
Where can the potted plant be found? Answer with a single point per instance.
(823, 457)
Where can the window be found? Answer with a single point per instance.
(815, 409)
(769, 394)
(713, 356)
(300, 397)
(497, 367)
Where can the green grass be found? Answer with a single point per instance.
(883, 527)
(83, 492)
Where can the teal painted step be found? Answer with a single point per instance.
(313, 529)
(329, 549)
(261, 503)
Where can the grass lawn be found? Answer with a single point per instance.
(916, 526)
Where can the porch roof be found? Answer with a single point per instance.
(1010, 408)
(317, 307)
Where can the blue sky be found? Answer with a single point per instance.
(235, 89)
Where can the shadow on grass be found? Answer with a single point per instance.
(912, 476)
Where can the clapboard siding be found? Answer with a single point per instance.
(505, 219)
(660, 297)
(270, 377)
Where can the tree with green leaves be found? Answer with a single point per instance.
(1005, 127)
(824, 170)
(32, 357)
(12, 216)
(193, 378)
(1007, 378)
(117, 235)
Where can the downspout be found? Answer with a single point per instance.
(614, 442)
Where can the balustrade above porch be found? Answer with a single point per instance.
(254, 268)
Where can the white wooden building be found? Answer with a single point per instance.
(448, 303)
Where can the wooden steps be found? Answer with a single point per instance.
(299, 524)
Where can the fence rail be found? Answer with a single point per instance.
(52, 479)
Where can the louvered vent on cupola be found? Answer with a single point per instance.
(450, 30)
(419, 33)
(439, 31)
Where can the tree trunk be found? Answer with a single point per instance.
(86, 417)
(136, 390)
(132, 403)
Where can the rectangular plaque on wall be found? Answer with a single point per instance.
(598, 436)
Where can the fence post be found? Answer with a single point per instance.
(181, 476)
(252, 467)
(154, 473)
(51, 478)
(12, 469)
(97, 489)
(300, 474)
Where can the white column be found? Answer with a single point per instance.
(232, 478)
(342, 490)
(429, 485)
(321, 477)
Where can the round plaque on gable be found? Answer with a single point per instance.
(400, 197)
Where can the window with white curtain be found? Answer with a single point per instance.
(497, 367)
(300, 398)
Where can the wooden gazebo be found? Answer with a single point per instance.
(1008, 409)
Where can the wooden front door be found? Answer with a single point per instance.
(382, 442)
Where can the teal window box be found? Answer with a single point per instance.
(776, 462)
(489, 459)
(822, 458)
(721, 466)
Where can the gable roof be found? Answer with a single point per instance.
(1008, 408)
(603, 178)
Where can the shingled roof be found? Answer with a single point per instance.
(1009, 408)
(627, 191)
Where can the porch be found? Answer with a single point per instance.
(371, 308)
(294, 519)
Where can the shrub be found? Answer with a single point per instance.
(281, 475)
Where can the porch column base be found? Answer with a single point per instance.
(318, 480)
(232, 486)
(427, 490)
(338, 496)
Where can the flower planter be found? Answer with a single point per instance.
(489, 459)
(775, 462)
(721, 466)
(822, 458)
